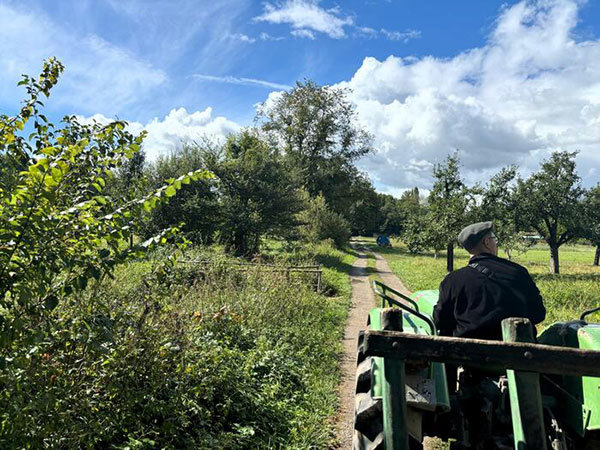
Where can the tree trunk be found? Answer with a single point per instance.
(554, 266)
(597, 255)
(450, 257)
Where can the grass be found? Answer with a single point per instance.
(199, 356)
(566, 295)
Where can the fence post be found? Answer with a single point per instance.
(319, 275)
(394, 390)
(524, 391)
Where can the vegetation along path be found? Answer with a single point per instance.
(362, 301)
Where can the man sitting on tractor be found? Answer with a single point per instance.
(475, 299)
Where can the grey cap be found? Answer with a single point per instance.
(472, 234)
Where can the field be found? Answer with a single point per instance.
(576, 289)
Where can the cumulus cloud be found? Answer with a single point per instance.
(175, 129)
(306, 17)
(100, 76)
(530, 90)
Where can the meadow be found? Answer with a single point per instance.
(204, 355)
(566, 295)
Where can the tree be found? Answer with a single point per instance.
(364, 210)
(448, 204)
(498, 205)
(195, 209)
(316, 128)
(592, 214)
(319, 222)
(59, 230)
(256, 193)
(550, 202)
(391, 215)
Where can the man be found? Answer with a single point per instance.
(474, 300)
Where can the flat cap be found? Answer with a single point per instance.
(470, 235)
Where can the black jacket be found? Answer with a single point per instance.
(474, 301)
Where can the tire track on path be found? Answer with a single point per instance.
(363, 300)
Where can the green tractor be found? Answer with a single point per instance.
(518, 394)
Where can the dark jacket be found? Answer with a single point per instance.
(474, 301)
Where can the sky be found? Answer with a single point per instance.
(502, 82)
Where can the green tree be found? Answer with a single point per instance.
(550, 202)
(256, 193)
(592, 214)
(319, 222)
(364, 210)
(59, 230)
(448, 204)
(391, 221)
(195, 208)
(498, 205)
(316, 128)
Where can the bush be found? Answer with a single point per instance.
(186, 359)
(320, 223)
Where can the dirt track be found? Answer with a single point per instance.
(362, 301)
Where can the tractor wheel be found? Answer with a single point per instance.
(368, 413)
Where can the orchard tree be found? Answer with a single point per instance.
(498, 205)
(448, 204)
(256, 194)
(592, 214)
(316, 128)
(550, 202)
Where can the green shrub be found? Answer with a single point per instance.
(322, 223)
(195, 359)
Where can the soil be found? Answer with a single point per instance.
(362, 301)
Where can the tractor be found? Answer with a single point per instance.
(417, 390)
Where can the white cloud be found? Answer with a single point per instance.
(242, 37)
(175, 129)
(403, 36)
(303, 34)
(307, 17)
(267, 37)
(99, 76)
(530, 90)
(241, 80)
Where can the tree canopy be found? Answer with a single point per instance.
(550, 202)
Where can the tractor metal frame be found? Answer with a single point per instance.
(518, 355)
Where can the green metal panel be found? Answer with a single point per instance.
(589, 339)
(426, 300)
(581, 401)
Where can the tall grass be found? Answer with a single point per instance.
(576, 289)
(203, 356)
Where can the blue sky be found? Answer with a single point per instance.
(504, 82)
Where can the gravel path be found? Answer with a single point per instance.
(362, 301)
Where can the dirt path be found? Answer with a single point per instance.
(388, 276)
(362, 301)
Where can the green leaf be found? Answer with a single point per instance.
(170, 191)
